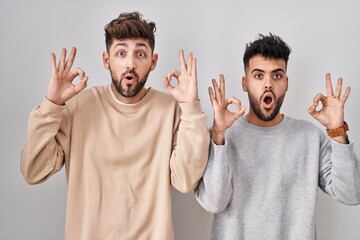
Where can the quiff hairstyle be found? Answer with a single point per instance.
(129, 26)
(270, 47)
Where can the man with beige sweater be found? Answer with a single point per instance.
(123, 145)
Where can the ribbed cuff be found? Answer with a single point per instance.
(50, 109)
(342, 151)
(191, 108)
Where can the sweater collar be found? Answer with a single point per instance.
(123, 106)
(275, 128)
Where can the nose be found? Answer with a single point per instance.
(130, 63)
(268, 83)
(130, 68)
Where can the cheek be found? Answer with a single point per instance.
(144, 68)
(118, 61)
(281, 89)
(147, 64)
(255, 90)
(117, 66)
(256, 84)
(115, 70)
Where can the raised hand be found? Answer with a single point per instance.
(223, 117)
(331, 115)
(61, 87)
(186, 91)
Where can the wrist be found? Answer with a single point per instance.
(340, 131)
(343, 139)
(218, 137)
(189, 100)
(54, 102)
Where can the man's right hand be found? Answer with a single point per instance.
(61, 87)
(223, 118)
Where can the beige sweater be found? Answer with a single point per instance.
(120, 160)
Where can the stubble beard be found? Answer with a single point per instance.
(130, 90)
(255, 105)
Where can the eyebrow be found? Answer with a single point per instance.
(126, 45)
(260, 70)
(141, 45)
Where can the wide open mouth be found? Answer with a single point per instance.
(268, 99)
(129, 76)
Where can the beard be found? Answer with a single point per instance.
(255, 105)
(129, 90)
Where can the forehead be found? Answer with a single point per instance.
(131, 43)
(259, 62)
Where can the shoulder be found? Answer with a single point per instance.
(162, 98)
(301, 124)
(306, 128)
(92, 92)
(88, 96)
(162, 95)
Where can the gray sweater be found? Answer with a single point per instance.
(262, 183)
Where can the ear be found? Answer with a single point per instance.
(287, 83)
(106, 60)
(244, 84)
(154, 60)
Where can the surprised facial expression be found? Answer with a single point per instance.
(129, 62)
(266, 83)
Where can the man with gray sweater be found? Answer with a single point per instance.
(265, 167)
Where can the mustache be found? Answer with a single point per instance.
(130, 71)
(268, 91)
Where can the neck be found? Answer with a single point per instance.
(253, 119)
(129, 100)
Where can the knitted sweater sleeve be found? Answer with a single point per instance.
(43, 153)
(340, 172)
(190, 148)
(215, 189)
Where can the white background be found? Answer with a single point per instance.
(324, 36)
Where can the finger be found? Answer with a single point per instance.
(338, 88)
(53, 63)
(329, 88)
(222, 85)
(83, 79)
(346, 94)
(240, 108)
(233, 100)
(70, 61)
(182, 61)
(193, 68)
(312, 111)
(75, 73)
(211, 95)
(174, 73)
(240, 112)
(167, 85)
(190, 63)
(81, 73)
(62, 60)
(319, 97)
(82, 84)
(218, 96)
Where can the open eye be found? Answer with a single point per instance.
(277, 76)
(120, 54)
(141, 54)
(258, 76)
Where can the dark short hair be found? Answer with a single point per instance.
(271, 46)
(127, 26)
